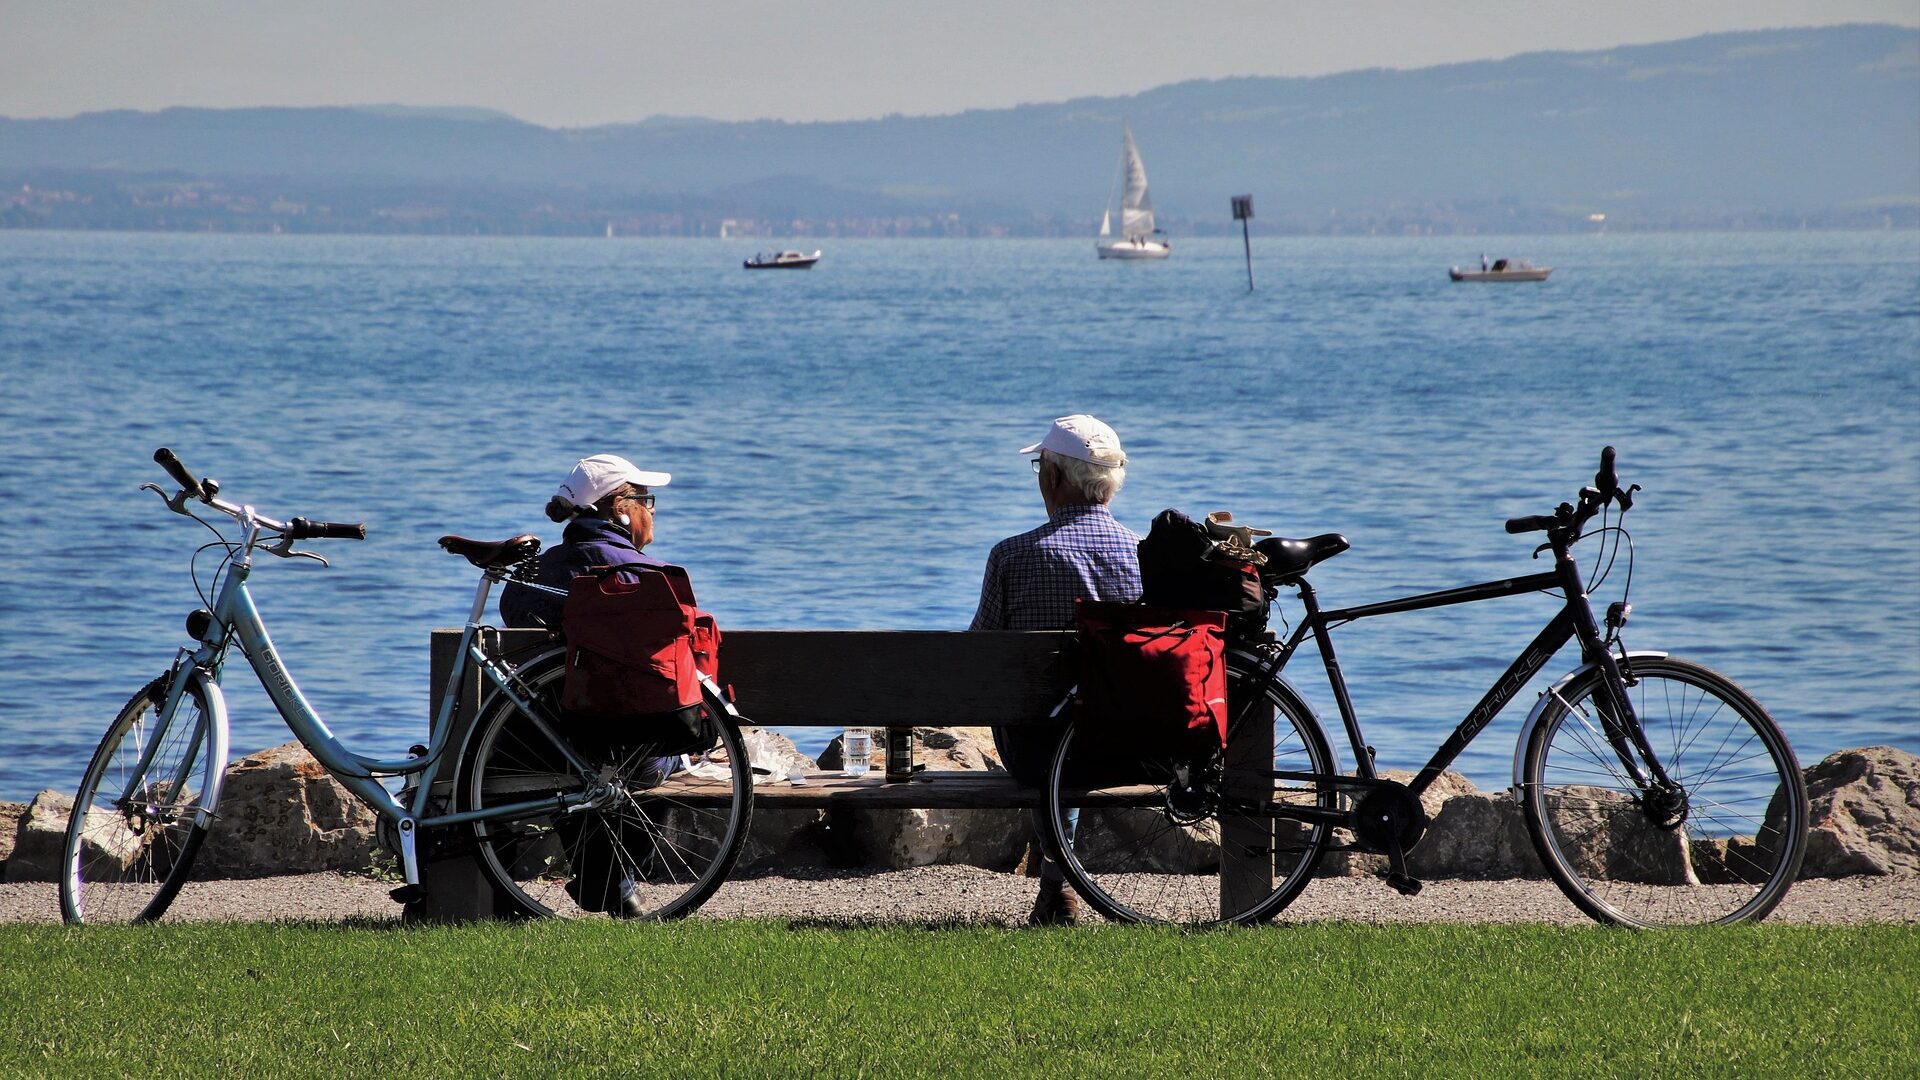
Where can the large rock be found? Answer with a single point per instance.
(108, 845)
(1475, 836)
(39, 838)
(899, 839)
(1866, 813)
(10, 815)
(281, 812)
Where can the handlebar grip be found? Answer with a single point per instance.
(302, 529)
(1606, 479)
(1536, 523)
(181, 476)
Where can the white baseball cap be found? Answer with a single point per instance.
(594, 477)
(1081, 436)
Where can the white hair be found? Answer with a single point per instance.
(1096, 483)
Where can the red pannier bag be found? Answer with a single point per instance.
(1153, 680)
(631, 662)
(706, 632)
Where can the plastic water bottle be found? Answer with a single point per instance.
(856, 750)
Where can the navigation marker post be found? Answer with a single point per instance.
(1242, 210)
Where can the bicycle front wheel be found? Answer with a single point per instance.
(134, 829)
(654, 840)
(1722, 845)
(1151, 838)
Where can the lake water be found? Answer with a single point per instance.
(842, 442)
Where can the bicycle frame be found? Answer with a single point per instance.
(1574, 621)
(239, 621)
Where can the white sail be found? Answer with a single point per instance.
(1136, 207)
(1138, 237)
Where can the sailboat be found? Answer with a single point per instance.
(1138, 238)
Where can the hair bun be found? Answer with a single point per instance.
(559, 509)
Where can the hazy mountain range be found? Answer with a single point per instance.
(1764, 128)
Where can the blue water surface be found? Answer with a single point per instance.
(842, 442)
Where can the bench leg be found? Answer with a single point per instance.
(1246, 841)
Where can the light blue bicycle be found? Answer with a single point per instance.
(564, 821)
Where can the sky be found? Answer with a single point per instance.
(578, 63)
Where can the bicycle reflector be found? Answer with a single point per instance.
(199, 621)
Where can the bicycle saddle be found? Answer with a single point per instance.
(1288, 559)
(493, 554)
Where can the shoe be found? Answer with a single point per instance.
(1055, 906)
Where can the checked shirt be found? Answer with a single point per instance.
(1033, 579)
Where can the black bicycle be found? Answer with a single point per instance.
(1657, 792)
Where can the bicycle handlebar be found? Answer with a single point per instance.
(297, 529)
(302, 529)
(179, 473)
(1606, 489)
(1529, 524)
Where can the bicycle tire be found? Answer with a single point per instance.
(667, 844)
(1158, 861)
(125, 859)
(1726, 853)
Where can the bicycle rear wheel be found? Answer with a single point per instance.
(1146, 838)
(648, 845)
(133, 832)
(1723, 847)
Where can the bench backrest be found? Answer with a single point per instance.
(872, 678)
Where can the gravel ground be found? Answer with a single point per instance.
(963, 894)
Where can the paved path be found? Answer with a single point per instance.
(947, 894)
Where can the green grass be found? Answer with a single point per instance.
(756, 998)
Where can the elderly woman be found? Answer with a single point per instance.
(607, 504)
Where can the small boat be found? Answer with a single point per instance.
(1138, 238)
(1501, 270)
(781, 260)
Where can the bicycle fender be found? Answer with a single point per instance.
(1539, 709)
(216, 701)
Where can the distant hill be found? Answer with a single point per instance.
(1760, 128)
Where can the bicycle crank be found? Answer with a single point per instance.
(1390, 819)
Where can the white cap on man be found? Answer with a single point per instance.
(594, 478)
(1083, 437)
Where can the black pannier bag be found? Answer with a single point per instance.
(1186, 564)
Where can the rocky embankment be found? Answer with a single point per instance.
(281, 813)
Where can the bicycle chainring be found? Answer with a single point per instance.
(1387, 812)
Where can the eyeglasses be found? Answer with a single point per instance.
(644, 500)
(1036, 464)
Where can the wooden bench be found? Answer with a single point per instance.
(853, 678)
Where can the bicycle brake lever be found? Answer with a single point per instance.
(177, 502)
(284, 549)
(1541, 548)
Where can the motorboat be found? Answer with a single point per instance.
(1501, 270)
(782, 260)
(1139, 239)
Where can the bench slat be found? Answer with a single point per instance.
(898, 678)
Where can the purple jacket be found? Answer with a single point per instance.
(587, 542)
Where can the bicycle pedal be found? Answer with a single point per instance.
(409, 894)
(1404, 885)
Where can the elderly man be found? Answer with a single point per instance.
(1033, 579)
